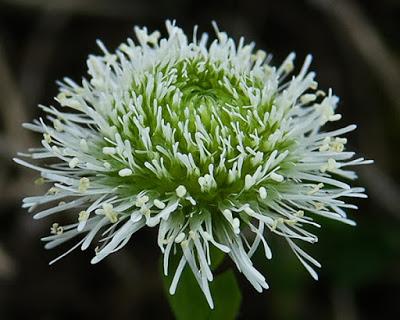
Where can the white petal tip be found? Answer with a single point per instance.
(172, 291)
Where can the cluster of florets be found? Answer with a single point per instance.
(208, 143)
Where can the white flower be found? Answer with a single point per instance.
(208, 143)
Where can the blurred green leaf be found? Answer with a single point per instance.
(189, 302)
(227, 296)
(217, 257)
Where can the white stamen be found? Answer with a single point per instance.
(181, 191)
(141, 201)
(276, 177)
(159, 204)
(125, 172)
(83, 145)
(58, 125)
(109, 150)
(73, 163)
(263, 193)
(179, 238)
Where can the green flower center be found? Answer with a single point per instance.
(204, 129)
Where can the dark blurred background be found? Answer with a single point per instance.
(356, 51)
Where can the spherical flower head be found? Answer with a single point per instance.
(208, 143)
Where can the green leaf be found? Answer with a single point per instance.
(189, 302)
(217, 257)
(227, 296)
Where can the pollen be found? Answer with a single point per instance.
(108, 211)
(84, 184)
(83, 216)
(56, 229)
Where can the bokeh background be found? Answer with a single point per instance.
(356, 48)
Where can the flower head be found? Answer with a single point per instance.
(208, 143)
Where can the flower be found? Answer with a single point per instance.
(208, 143)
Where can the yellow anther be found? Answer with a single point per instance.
(331, 165)
(84, 184)
(108, 211)
(341, 140)
(299, 213)
(83, 216)
(58, 125)
(276, 223)
(192, 234)
(259, 55)
(336, 145)
(319, 206)
(325, 144)
(56, 229)
(315, 188)
(327, 112)
(314, 85)
(40, 181)
(53, 191)
(141, 201)
(73, 163)
(291, 222)
(146, 211)
(288, 66)
(47, 137)
(185, 243)
(307, 98)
